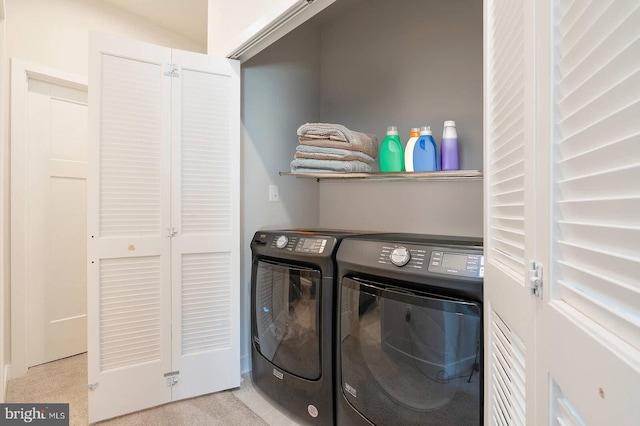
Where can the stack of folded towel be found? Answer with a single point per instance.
(330, 148)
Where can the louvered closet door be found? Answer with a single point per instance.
(129, 306)
(205, 215)
(592, 317)
(509, 309)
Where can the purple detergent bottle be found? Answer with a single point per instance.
(449, 146)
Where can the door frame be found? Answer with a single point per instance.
(21, 72)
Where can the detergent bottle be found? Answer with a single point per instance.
(408, 150)
(449, 146)
(425, 152)
(391, 152)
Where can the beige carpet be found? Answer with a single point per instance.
(66, 381)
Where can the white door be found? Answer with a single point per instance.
(129, 276)
(205, 249)
(589, 327)
(164, 226)
(56, 235)
(586, 207)
(49, 166)
(509, 308)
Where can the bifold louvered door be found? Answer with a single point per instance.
(205, 249)
(163, 250)
(509, 308)
(581, 210)
(591, 319)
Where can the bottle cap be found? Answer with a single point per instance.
(449, 123)
(415, 130)
(392, 130)
(425, 130)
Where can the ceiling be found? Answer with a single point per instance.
(185, 17)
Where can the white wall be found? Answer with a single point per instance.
(4, 311)
(238, 21)
(54, 34)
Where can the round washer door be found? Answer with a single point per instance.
(286, 329)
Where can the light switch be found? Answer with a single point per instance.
(274, 193)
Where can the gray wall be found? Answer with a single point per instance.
(406, 63)
(365, 64)
(280, 91)
(445, 208)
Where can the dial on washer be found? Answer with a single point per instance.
(282, 241)
(400, 256)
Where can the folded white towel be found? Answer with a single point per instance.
(337, 136)
(318, 166)
(321, 153)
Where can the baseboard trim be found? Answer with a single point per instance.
(7, 374)
(245, 364)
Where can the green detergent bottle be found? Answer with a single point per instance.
(391, 152)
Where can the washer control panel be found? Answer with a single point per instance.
(299, 243)
(463, 264)
(311, 245)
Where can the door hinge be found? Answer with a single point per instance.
(172, 232)
(171, 378)
(535, 279)
(92, 386)
(172, 71)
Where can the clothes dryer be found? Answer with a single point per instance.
(292, 320)
(409, 330)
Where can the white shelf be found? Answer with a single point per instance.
(423, 176)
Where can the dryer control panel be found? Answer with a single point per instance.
(437, 260)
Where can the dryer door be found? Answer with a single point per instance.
(286, 318)
(408, 357)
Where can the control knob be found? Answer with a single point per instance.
(282, 241)
(400, 256)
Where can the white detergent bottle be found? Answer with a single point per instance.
(408, 151)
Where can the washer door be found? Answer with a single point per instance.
(286, 327)
(409, 357)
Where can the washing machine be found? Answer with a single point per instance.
(292, 320)
(409, 344)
